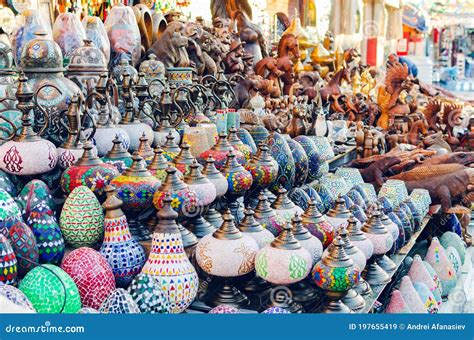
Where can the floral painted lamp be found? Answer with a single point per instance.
(227, 253)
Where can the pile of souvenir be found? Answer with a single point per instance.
(142, 158)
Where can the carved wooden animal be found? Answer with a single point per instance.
(170, 47)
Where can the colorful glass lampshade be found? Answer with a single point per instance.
(184, 159)
(351, 175)
(284, 207)
(247, 139)
(183, 199)
(158, 165)
(411, 297)
(408, 202)
(357, 198)
(395, 190)
(124, 254)
(437, 258)
(263, 168)
(251, 227)
(220, 151)
(215, 177)
(239, 180)
(313, 158)
(276, 310)
(17, 297)
(336, 274)
(235, 141)
(82, 221)
(301, 161)
(168, 261)
(9, 208)
(422, 200)
(435, 278)
(419, 273)
(119, 302)
(47, 233)
(281, 152)
(92, 275)
(118, 156)
(200, 184)
(339, 214)
(427, 297)
(146, 292)
(326, 197)
(335, 183)
(397, 304)
(51, 290)
(8, 262)
(317, 225)
(170, 148)
(23, 243)
(163, 131)
(309, 242)
(90, 171)
(367, 191)
(267, 216)
(284, 261)
(450, 239)
(33, 193)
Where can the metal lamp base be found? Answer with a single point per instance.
(375, 275)
(354, 301)
(225, 293)
(386, 264)
(336, 306)
(363, 287)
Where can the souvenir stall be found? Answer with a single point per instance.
(158, 159)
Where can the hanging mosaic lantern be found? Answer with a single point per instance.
(124, 254)
(168, 261)
(92, 275)
(51, 290)
(81, 220)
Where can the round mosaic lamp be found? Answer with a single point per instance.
(158, 165)
(92, 275)
(168, 262)
(170, 148)
(336, 274)
(263, 168)
(317, 225)
(51, 290)
(284, 207)
(235, 141)
(339, 214)
(367, 191)
(17, 297)
(23, 243)
(224, 309)
(352, 176)
(422, 200)
(309, 242)
(251, 227)
(227, 253)
(82, 220)
(8, 262)
(184, 159)
(146, 292)
(267, 216)
(437, 258)
(215, 177)
(119, 302)
(219, 152)
(8, 207)
(335, 183)
(359, 238)
(124, 254)
(395, 191)
(450, 239)
(144, 149)
(118, 156)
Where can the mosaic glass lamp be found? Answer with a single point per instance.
(23, 243)
(184, 159)
(284, 207)
(146, 292)
(82, 220)
(317, 225)
(335, 183)
(352, 176)
(410, 296)
(224, 309)
(51, 290)
(17, 297)
(339, 214)
(263, 167)
(168, 261)
(267, 216)
(395, 191)
(376, 232)
(170, 148)
(219, 152)
(336, 274)
(158, 165)
(235, 141)
(309, 242)
(92, 275)
(145, 150)
(9, 208)
(422, 200)
(397, 304)
(450, 239)
(8, 262)
(227, 253)
(427, 297)
(358, 237)
(437, 258)
(124, 254)
(119, 302)
(215, 177)
(367, 191)
(251, 227)
(118, 156)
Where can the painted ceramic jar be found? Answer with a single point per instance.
(136, 186)
(284, 261)
(118, 156)
(119, 302)
(170, 147)
(168, 261)
(95, 32)
(284, 207)
(281, 152)
(51, 290)
(124, 36)
(200, 184)
(124, 254)
(336, 184)
(215, 177)
(68, 33)
(8, 262)
(183, 200)
(238, 145)
(308, 241)
(437, 258)
(259, 134)
(419, 273)
(313, 157)
(8, 207)
(336, 272)
(89, 171)
(81, 220)
(268, 217)
(317, 225)
(32, 23)
(239, 180)
(314, 196)
(17, 297)
(86, 64)
(227, 252)
(42, 62)
(47, 233)
(323, 148)
(338, 215)
(219, 152)
(23, 243)
(146, 292)
(450, 239)
(263, 167)
(33, 193)
(359, 238)
(92, 275)
(352, 176)
(247, 139)
(301, 161)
